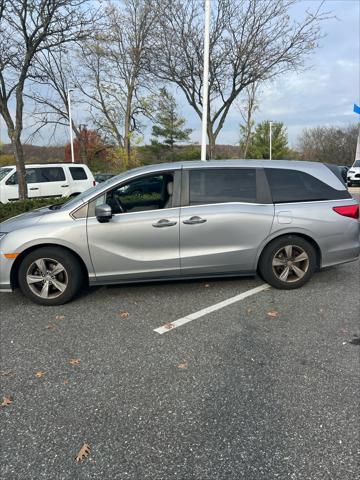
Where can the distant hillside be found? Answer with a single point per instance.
(38, 154)
(145, 154)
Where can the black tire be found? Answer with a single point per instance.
(273, 254)
(71, 275)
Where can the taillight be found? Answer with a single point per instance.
(351, 211)
(94, 183)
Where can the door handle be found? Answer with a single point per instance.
(194, 220)
(163, 223)
(34, 188)
(63, 186)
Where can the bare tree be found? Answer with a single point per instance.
(128, 48)
(246, 110)
(250, 41)
(29, 27)
(108, 71)
(329, 144)
(56, 72)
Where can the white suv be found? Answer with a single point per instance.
(353, 174)
(46, 180)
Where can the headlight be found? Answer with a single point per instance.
(2, 234)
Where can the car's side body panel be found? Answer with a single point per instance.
(227, 241)
(131, 246)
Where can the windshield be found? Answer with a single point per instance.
(4, 172)
(357, 164)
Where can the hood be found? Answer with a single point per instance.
(25, 219)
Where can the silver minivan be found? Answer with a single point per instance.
(282, 219)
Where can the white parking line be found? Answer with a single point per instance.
(217, 306)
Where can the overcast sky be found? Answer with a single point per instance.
(322, 95)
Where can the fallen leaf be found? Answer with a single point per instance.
(6, 401)
(84, 452)
(40, 374)
(123, 314)
(273, 313)
(183, 366)
(249, 310)
(50, 327)
(60, 317)
(74, 361)
(169, 326)
(206, 285)
(66, 381)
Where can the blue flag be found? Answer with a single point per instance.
(356, 108)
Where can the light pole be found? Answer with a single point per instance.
(205, 81)
(70, 125)
(270, 138)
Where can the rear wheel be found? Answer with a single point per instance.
(288, 262)
(50, 276)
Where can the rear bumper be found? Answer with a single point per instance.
(342, 248)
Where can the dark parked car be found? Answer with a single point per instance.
(102, 177)
(343, 169)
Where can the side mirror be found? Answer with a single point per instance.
(103, 213)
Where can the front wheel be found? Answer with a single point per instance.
(50, 276)
(288, 262)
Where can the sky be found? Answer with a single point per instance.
(324, 94)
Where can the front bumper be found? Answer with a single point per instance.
(5, 273)
(354, 179)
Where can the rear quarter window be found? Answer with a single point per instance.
(78, 173)
(295, 186)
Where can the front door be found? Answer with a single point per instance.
(33, 185)
(141, 241)
(224, 224)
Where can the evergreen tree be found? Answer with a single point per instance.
(260, 142)
(169, 125)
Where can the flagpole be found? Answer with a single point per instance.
(205, 81)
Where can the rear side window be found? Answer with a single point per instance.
(78, 173)
(222, 185)
(294, 186)
(50, 174)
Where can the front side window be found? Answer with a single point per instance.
(78, 173)
(222, 185)
(146, 193)
(294, 186)
(31, 177)
(50, 174)
(4, 172)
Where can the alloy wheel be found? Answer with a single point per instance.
(47, 278)
(290, 263)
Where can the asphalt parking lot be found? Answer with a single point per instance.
(266, 387)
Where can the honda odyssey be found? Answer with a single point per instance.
(282, 219)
